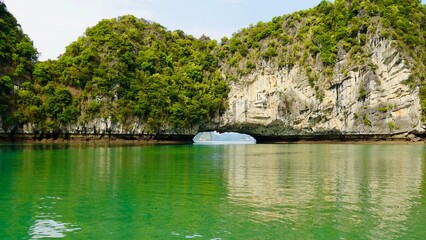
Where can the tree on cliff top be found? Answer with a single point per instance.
(126, 69)
(317, 36)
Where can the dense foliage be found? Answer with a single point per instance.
(316, 39)
(128, 70)
(17, 56)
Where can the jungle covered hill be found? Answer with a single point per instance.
(17, 59)
(122, 70)
(130, 75)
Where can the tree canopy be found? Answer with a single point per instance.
(17, 58)
(124, 69)
(131, 70)
(317, 36)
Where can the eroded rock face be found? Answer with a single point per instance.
(105, 126)
(358, 100)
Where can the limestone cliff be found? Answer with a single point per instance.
(348, 67)
(358, 102)
(342, 68)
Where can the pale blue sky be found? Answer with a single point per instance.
(53, 24)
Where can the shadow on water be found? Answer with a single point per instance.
(32, 147)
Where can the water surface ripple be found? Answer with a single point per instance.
(302, 191)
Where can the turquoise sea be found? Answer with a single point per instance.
(263, 191)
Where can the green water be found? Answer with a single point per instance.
(213, 192)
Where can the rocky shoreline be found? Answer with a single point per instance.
(184, 139)
(95, 138)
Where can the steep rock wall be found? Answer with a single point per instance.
(270, 101)
(361, 100)
(105, 126)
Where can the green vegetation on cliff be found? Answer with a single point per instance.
(318, 38)
(17, 58)
(128, 70)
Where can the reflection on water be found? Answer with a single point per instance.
(47, 223)
(350, 183)
(213, 192)
(49, 228)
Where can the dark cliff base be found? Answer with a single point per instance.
(94, 138)
(184, 139)
(277, 132)
(361, 138)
